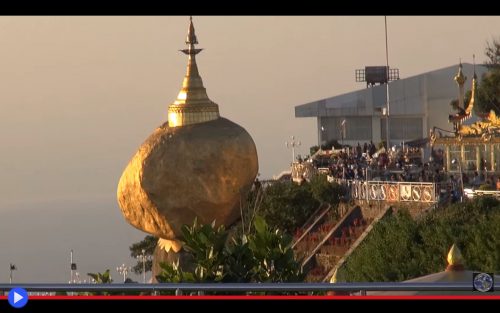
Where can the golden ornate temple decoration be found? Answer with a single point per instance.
(455, 259)
(475, 139)
(192, 105)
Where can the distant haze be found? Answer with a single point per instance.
(78, 95)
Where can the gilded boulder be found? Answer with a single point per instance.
(178, 174)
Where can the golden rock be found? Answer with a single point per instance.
(178, 174)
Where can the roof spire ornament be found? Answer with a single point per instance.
(460, 78)
(474, 65)
(470, 106)
(192, 105)
(455, 259)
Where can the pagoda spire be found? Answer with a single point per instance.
(460, 78)
(192, 104)
(473, 95)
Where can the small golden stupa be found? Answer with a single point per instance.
(192, 105)
(455, 259)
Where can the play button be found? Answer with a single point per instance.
(18, 297)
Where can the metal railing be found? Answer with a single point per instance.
(313, 221)
(246, 287)
(394, 191)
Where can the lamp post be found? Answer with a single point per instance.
(123, 270)
(292, 144)
(387, 85)
(342, 132)
(456, 161)
(72, 266)
(12, 268)
(143, 258)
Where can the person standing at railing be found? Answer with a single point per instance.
(498, 184)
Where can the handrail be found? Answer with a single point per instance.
(352, 287)
(313, 224)
(327, 236)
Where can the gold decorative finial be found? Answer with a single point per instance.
(474, 64)
(335, 277)
(192, 105)
(460, 78)
(191, 36)
(455, 259)
(469, 108)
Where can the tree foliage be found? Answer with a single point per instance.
(324, 191)
(492, 52)
(401, 248)
(148, 244)
(287, 205)
(488, 97)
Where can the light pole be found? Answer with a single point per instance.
(123, 270)
(456, 161)
(292, 144)
(387, 85)
(72, 266)
(143, 258)
(12, 268)
(342, 132)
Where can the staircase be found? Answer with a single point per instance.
(329, 236)
(307, 237)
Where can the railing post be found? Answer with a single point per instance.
(178, 292)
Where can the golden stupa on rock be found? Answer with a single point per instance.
(192, 105)
(195, 165)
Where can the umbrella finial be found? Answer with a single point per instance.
(455, 259)
(335, 278)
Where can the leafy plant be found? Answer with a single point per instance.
(263, 255)
(101, 278)
(148, 244)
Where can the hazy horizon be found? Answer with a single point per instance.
(79, 95)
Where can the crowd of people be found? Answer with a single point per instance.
(369, 163)
(399, 163)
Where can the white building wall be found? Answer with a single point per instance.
(426, 96)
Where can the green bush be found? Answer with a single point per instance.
(287, 205)
(400, 248)
(324, 191)
(263, 256)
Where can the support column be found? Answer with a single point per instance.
(447, 155)
(462, 156)
(492, 157)
(478, 159)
